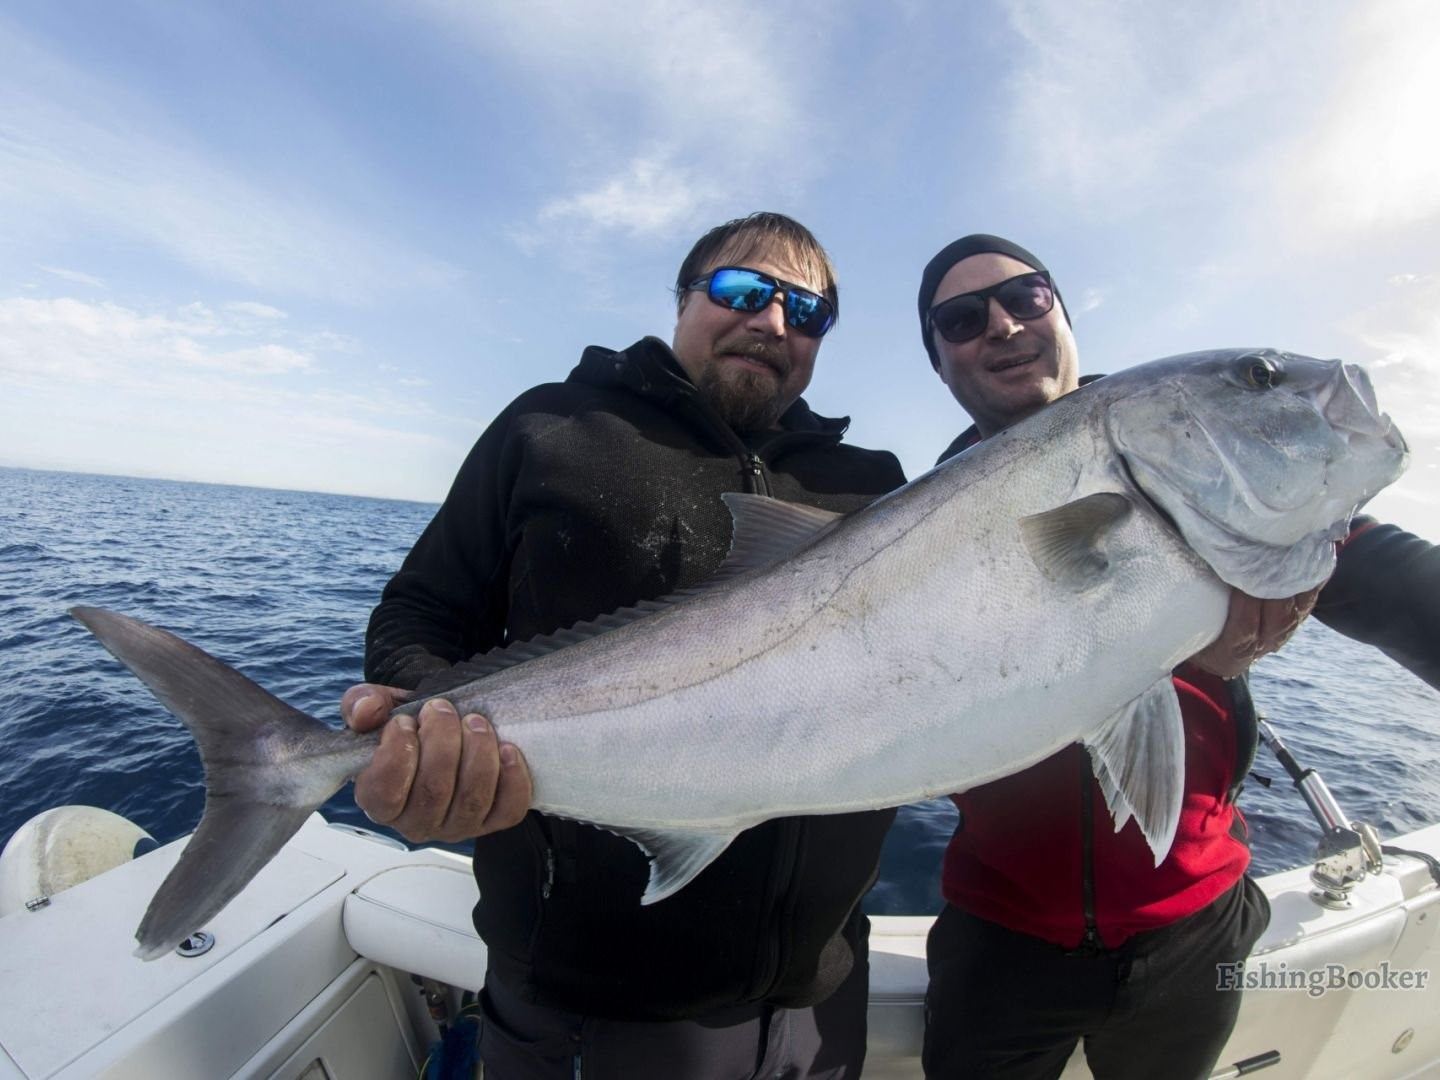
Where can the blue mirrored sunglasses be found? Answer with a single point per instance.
(742, 289)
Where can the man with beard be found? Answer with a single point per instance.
(581, 498)
(1056, 928)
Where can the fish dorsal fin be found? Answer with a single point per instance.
(676, 856)
(488, 663)
(766, 530)
(1068, 543)
(1139, 760)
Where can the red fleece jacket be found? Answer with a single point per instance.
(1017, 857)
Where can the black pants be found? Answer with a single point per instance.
(520, 1041)
(1007, 1005)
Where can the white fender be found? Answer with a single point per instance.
(63, 847)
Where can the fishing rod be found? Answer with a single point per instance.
(1347, 850)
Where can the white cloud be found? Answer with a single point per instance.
(74, 339)
(701, 106)
(1090, 299)
(1108, 98)
(76, 276)
(1318, 116)
(254, 310)
(328, 341)
(1401, 334)
(197, 393)
(260, 360)
(675, 67)
(652, 195)
(80, 156)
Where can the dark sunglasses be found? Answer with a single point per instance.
(742, 289)
(963, 317)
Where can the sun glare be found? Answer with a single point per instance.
(1376, 161)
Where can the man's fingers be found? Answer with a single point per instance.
(476, 780)
(438, 779)
(383, 787)
(1231, 653)
(1253, 628)
(1281, 618)
(512, 794)
(365, 706)
(433, 785)
(1243, 626)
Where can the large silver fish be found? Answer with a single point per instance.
(1033, 592)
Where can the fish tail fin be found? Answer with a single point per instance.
(246, 736)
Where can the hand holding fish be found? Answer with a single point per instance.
(444, 779)
(1253, 628)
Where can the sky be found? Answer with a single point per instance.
(320, 245)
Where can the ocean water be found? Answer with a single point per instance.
(280, 585)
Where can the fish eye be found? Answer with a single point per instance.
(1261, 372)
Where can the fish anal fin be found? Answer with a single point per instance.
(1139, 760)
(1068, 542)
(676, 856)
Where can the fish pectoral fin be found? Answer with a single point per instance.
(676, 856)
(1139, 760)
(1068, 543)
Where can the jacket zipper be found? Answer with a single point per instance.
(758, 482)
(546, 852)
(753, 469)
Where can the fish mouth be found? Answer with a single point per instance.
(1347, 401)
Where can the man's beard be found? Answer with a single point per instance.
(746, 400)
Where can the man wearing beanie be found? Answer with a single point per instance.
(1056, 928)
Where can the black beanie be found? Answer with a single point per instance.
(950, 254)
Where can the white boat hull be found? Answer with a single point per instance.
(313, 964)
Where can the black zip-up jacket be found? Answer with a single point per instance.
(583, 497)
(1385, 591)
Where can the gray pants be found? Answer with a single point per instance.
(520, 1041)
(1008, 1006)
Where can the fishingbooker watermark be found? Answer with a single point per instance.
(1317, 981)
